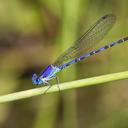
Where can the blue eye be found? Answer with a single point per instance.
(34, 79)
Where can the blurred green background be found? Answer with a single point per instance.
(32, 34)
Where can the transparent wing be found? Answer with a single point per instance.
(89, 39)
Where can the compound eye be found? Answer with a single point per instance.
(34, 79)
(34, 76)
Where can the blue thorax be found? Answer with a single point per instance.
(46, 75)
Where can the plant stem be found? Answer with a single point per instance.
(64, 86)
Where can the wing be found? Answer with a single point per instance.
(89, 39)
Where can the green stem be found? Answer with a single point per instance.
(64, 86)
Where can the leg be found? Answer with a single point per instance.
(57, 79)
(49, 86)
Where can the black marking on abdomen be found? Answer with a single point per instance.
(111, 45)
(91, 53)
(120, 41)
(126, 38)
(96, 51)
(107, 46)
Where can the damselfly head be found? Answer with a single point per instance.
(36, 80)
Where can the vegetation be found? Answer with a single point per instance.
(32, 34)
